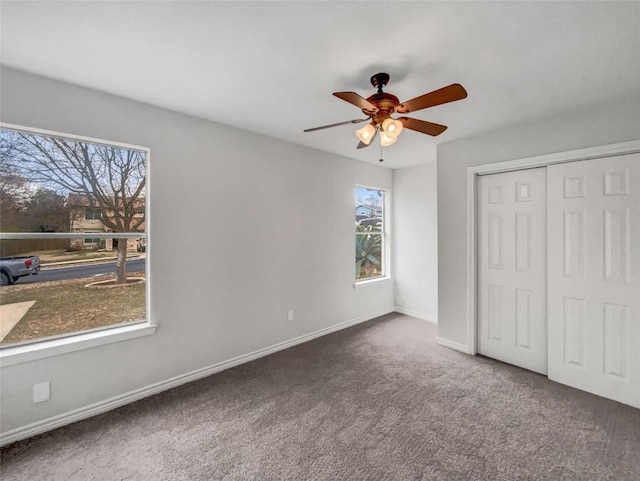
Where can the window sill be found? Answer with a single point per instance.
(10, 356)
(372, 282)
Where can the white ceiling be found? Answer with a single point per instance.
(270, 67)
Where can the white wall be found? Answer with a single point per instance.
(415, 246)
(262, 225)
(596, 125)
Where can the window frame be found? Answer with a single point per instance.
(91, 241)
(94, 211)
(384, 237)
(48, 347)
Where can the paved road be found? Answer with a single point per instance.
(77, 272)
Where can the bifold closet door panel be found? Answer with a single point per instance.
(512, 275)
(594, 276)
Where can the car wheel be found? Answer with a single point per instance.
(4, 279)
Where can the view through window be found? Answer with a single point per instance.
(369, 211)
(72, 220)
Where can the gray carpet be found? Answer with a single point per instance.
(379, 401)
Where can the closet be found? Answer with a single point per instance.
(558, 275)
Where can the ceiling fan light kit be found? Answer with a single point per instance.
(392, 127)
(387, 140)
(366, 133)
(380, 106)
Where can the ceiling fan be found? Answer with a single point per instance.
(381, 105)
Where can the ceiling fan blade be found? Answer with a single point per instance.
(422, 126)
(444, 95)
(356, 121)
(357, 100)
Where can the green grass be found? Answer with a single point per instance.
(64, 307)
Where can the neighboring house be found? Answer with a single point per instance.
(86, 216)
(368, 210)
(368, 215)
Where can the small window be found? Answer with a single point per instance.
(92, 214)
(91, 240)
(53, 186)
(370, 233)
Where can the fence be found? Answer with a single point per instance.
(12, 247)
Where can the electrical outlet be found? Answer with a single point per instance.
(41, 392)
(290, 316)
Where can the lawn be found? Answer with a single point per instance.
(64, 307)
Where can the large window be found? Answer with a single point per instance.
(72, 213)
(370, 233)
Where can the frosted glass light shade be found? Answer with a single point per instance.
(366, 133)
(387, 140)
(392, 127)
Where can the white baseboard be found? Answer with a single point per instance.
(454, 345)
(85, 412)
(419, 315)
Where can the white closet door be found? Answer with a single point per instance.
(512, 278)
(594, 270)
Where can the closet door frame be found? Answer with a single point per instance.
(609, 150)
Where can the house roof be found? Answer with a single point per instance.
(270, 67)
(82, 200)
(375, 208)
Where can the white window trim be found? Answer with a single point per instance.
(18, 354)
(372, 282)
(12, 355)
(71, 235)
(386, 250)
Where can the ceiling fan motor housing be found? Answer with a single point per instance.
(385, 103)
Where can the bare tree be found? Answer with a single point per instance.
(13, 200)
(369, 197)
(112, 179)
(47, 212)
